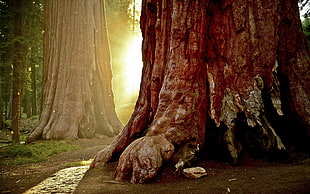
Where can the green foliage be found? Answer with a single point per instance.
(306, 29)
(34, 117)
(23, 154)
(32, 53)
(5, 140)
(23, 116)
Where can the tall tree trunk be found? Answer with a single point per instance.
(2, 124)
(294, 63)
(211, 71)
(18, 69)
(34, 90)
(77, 94)
(26, 102)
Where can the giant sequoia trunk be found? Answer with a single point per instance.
(77, 94)
(216, 73)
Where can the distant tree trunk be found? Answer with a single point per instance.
(18, 69)
(7, 103)
(34, 90)
(217, 73)
(77, 94)
(26, 102)
(2, 124)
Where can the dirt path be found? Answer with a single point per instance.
(19, 178)
(222, 178)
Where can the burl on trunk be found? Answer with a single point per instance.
(208, 62)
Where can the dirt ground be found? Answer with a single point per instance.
(252, 176)
(19, 178)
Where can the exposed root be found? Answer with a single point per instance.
(142, 159)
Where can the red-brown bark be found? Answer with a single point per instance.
(294, 62)
(215, 59)
(172, 101)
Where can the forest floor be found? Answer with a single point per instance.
(251, 176)
(19, 178)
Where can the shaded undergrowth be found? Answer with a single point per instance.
(32, 153)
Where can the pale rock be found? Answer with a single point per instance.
(194, 172)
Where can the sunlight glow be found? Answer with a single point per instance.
(133, 69)
(127, 65)
(127, 78)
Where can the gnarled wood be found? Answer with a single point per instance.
(172, 100)
(220, 60)
(143, 157)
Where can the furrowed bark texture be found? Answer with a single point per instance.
(221, 63)
(294, 63)
(172, 103)
(77, 95)
(246, 46)
(242, 61)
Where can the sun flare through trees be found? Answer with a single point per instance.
(133, 66)
(127, 68)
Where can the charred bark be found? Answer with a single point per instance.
(77, 94)
(212, 72)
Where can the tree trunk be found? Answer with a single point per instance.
(26, 102)
(18, 70)
(77, 94)
(34, 90)
(211, 75)
(2, 123)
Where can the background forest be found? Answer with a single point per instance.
(21, 57)
(168, 117)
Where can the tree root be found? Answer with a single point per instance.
(142, 158)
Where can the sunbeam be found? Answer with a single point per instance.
(133, 68)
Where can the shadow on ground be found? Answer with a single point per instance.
(256, 177)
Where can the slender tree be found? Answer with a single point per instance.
(33, 27)
(2, 124)
(20, 31)
(18, 67)
(5, 22)
(77, 95)
(219, 73)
